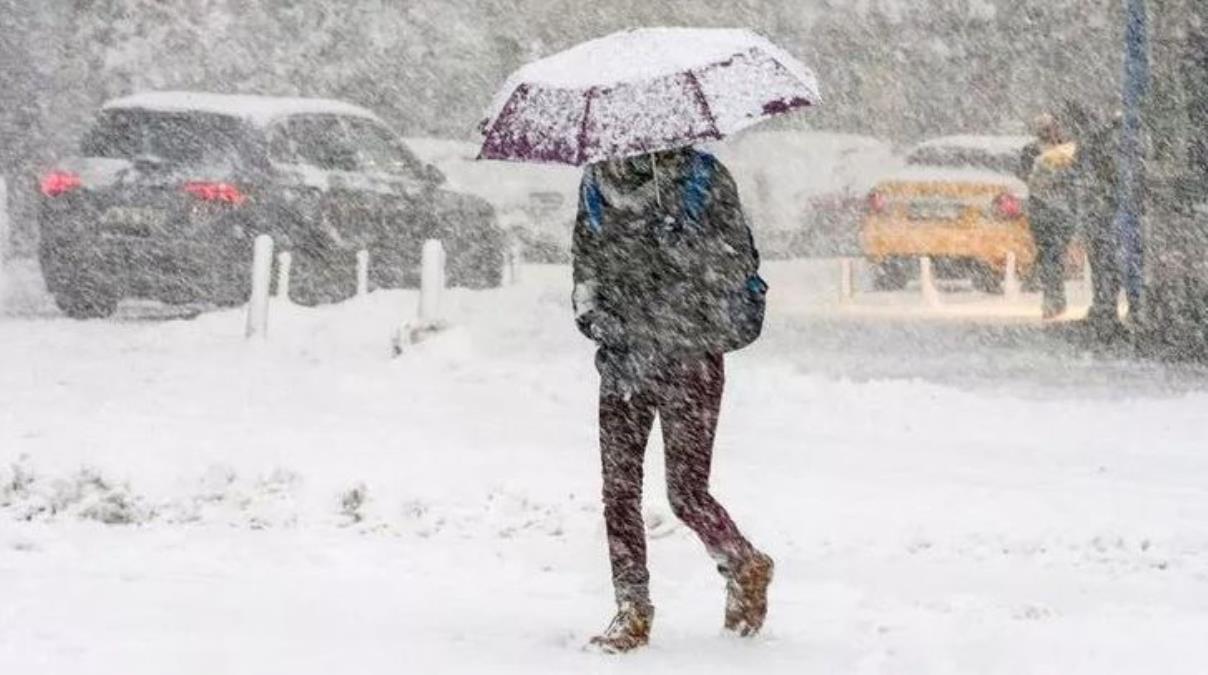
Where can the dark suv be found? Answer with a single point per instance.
(171, 188)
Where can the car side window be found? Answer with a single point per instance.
(318, 140)
(379, 150)
(281, 146)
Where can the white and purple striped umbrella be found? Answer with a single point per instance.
(643, 91)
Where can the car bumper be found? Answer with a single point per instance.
(167, 270)
(989, 243)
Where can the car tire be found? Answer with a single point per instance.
(322, 277)
(890, 275)
(87, 302)
(482, 272)
(988, 280)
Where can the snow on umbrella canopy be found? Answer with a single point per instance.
(643, 91)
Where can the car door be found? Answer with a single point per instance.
(405, 204)
(335, 198)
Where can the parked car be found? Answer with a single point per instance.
(536, 203)
(169, 189)
(799, 186)
(957, 201)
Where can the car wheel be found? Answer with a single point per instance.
(484, 271)
(986, 279)
(322, 277)
(88, 302)
(890, 275)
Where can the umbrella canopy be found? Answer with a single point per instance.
(643, 91)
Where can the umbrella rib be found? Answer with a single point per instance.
(591, 97)
(702, 102)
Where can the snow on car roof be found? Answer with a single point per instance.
(260, 110)
(997, 145)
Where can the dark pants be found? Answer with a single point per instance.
(1052, 233)
(687, 397)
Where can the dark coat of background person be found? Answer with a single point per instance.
(1096, 175)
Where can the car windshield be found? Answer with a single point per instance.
(963, 157)
(176, 138)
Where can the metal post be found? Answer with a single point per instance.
(847, 286)
(515, 258)
(262, 269)
(4, 238)
(1087, 281)
(1136, 87)
(362, 272)
(285, 263)
(432, 282)
(1011, 286)
(931, 295)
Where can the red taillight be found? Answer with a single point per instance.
(58, 183)
(1007, 206)
(877, 202)
(225, 193)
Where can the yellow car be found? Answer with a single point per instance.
(959, 201)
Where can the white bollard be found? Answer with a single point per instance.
(362, 272)
(1088, 280)
(285, 263)
(515, 258)
(432, 282)
(431, 295)
(847, 283)
(1011, 288)
(931, 295)
(262, 270)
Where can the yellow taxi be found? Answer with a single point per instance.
(959, 201)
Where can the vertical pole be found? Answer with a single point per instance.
(515, 258)
(1011, 287)
(847, 286)
(1087, 281)
(262, 268)
(1136, 87)
(931, 295)
(285, 263)
(362, 272)
(4, 239)
(432, 281)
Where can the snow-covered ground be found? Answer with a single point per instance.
(941, 496)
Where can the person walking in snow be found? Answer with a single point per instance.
(666, 282)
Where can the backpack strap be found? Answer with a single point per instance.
(593, 201)
(697, 190)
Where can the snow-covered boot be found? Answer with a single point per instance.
(629, 629)
(747, 594)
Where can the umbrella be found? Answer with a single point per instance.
(643, 91)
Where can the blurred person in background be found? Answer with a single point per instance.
(1096, 173)
(1047, 167)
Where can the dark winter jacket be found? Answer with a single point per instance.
(1097, 172)
(659, 277)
